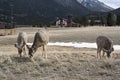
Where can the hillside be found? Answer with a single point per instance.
(42, 10)
(117, 11)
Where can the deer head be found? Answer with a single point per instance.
(19, 48)
(108, 51)
(31, 51)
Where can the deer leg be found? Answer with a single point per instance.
(24, 51)
(19, 54)
(103, 54)
(44, 51)
(98, 53)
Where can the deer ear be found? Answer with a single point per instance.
(16, 45)
(112, 49)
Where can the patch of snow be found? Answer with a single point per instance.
(74, 44)
(77, 44)
(29, 44)
(116, 47)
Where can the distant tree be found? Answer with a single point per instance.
(77, 20)
(33, 25)
(40, 25)
(48, 25)
(111, 19)
(92, 22)
(84, 21)
(114, 18)
(103, 20)
(118, 19)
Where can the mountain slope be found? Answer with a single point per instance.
(43, 10)
(117, 11)
(95, 5)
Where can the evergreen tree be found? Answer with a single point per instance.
(92, 22)
(111, 19)
(118, 19)
(103, 20)
(77, 20)
(84, 21)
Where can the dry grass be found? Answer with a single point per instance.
(88, 34)
(63, 63)
(4, 32)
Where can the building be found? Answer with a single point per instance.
(61, 23)
(69, 21)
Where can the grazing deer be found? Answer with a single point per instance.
(41, 39)
(21, 43)
(104, 44)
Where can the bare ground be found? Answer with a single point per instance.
(63, 63)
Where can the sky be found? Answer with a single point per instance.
(112, 3)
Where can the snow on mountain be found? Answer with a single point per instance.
(95, 5)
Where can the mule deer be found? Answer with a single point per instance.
(41, 39)
(104, 44)
(21, 43)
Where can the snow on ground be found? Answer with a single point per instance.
(77, 44)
